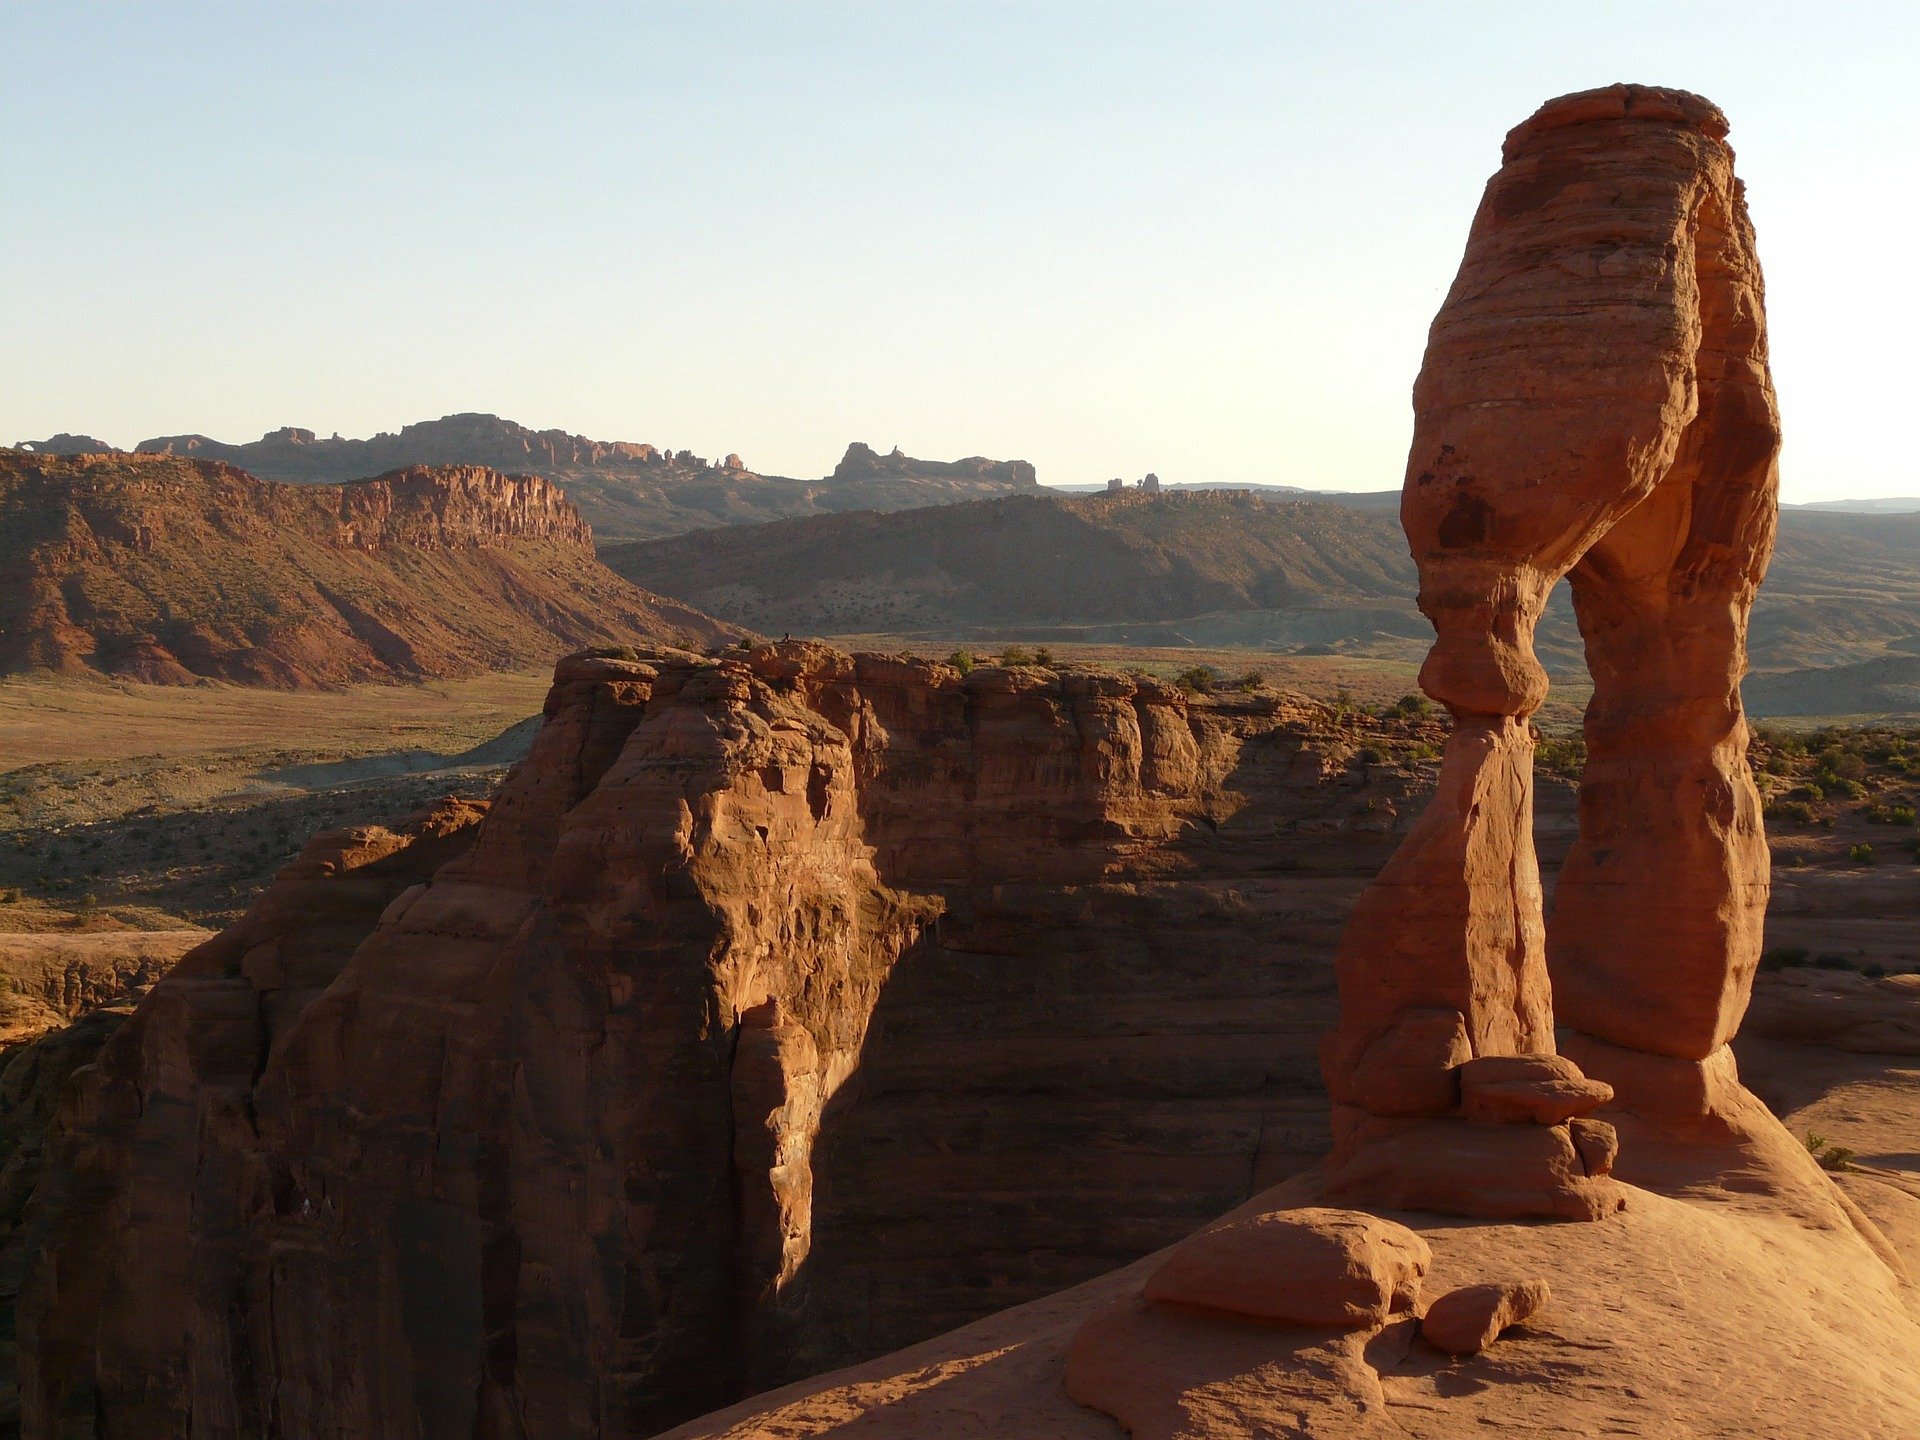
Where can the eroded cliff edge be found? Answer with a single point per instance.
(770, 996)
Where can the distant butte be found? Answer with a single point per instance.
(626, 490)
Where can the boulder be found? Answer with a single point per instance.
(1467, 1320)
(1313, 1266)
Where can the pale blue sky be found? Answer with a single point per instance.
(1204, 240)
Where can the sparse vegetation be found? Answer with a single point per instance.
(1861, 854)
(1564, 755)
(1016, 655)
(1196, 679)
(1830, 1156)
(961, 660)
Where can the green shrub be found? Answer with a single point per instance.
(1830, 1157)
(1861, 854)
(1196, 679)
(1874, 971)
(1369, 755)
(1410, 707)
(1252, 680)
(1561, 757)
(1043, 656)
(1891, 814)
(961, 660)
(1791, 812)
(1016, 655)
(1807, 792)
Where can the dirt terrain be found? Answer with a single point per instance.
(189, 798)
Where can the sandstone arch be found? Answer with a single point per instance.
(1595, 403)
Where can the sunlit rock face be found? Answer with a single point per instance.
(1595, 404)
(780, 1010)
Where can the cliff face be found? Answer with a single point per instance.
(165, 570)
(862, 462)
(781, 1011)
(466, 439)
(628, 491)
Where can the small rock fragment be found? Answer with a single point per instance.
(1597, 1143)
(1467, 1320)
(1312, 1266)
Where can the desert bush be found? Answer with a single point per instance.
(1016, 655)
(1840, 761)
(1561, 756)
(1369, 755)
(961, 660)
(1196, 679)
(1891, 814)
(1252, 680)
(1861, 854)
(1808, 792)
(1784, 957)
(1410, 707)
(1043, 656)
(1874, 971)
(1791, 812)
(1829, 1156)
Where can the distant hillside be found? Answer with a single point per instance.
(1233, 567)
(1120, 567)
(625, 490)
(1877, 505)
(163, 569)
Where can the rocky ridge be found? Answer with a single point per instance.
(165, 570)
(770, 1154)
(625, 490)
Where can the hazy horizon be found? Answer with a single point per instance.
(1202, 240)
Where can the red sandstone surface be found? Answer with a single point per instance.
(571, 1117)
(164, 570)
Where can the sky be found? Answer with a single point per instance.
(1200, 239)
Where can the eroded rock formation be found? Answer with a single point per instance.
(163, 570)
(1594, 403)
(562, 1134)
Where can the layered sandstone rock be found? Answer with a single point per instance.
(786, 1007)
(1594, 402)
(1595, 396)
(166, 570)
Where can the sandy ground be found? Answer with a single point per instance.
(51, 720)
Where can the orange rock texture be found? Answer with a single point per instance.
(1594, 404)
(782, 1008)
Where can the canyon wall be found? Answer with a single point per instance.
(783, 1010)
